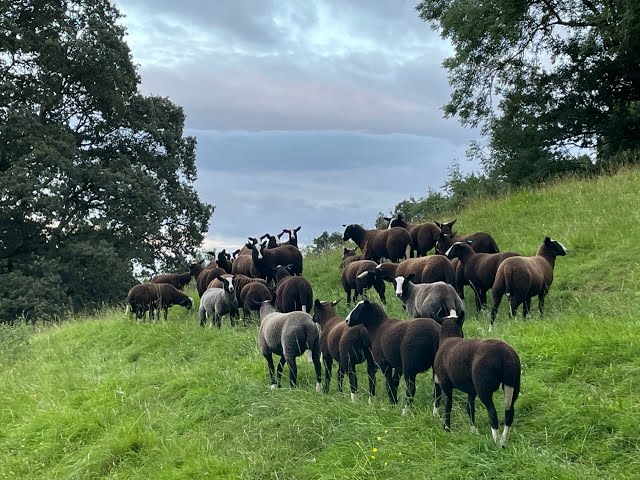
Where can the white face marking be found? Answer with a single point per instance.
(363, 275)
(448, 251)
(378, 267)
(399, 283)
(453, 314)
(349, 316)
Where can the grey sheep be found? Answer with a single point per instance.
(287, 335)
(218, 302)
(437, 300)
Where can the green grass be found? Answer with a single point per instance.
(105, 397)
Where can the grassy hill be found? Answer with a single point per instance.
(105, 397)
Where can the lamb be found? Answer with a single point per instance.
(218, 302)
(149, 297)
(480, 241)
(393, 244)
(347, 346)
(479, 269)
(359, 276)
(293, 236)
(287, 335)
(428, 300)
(423, 235)
(265, 260)
(477, 367)
(292, 292)
(521, 278)
(180, 280)
(406, 346)
(251, 297)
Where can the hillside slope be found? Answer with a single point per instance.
(108, 398)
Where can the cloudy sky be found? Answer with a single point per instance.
(313, 113)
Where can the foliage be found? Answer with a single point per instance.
(106, 397)
(325, 241)
(94, 175)
(549, 81)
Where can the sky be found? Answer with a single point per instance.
(317, 113)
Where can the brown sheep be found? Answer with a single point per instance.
(251, 297)
(393, 243)
(179, 280)
(521, 278)
(423, 235)
(359, 276)
(152, 297)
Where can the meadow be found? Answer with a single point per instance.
(106, 397)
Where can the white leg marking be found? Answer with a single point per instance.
(490, 327)
(435, 411)
(436, 379)
(274, 386)
(508, 397)
(406, 410)
(353, 397)
(309, 356)
(304, 308)
(505, 435)
(495, 435)
(474, 429)
(370, 399)
(318, 387)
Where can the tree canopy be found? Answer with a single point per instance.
(94, 176)
(549, 82)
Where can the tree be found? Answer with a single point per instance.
(326, 241)
(94, 176)
(564, 74)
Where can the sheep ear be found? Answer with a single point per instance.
(410, 277)
(200, 262)
(399, 216)
(547, 241)
(387, 219)
(317, 303)
(345, 250)
(344, 225)
(439, 225)
(452, 222)
(335, 302)
(295, 230)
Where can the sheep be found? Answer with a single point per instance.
(349, 255)
(251, 297)
(243, 265)
(479, 269)
(265, 260)
(477, 367)
(347, 346)
(287, 335)
(205, 278)
(179, 280)
(272, 242)
(293, 236)
(521, 278)
(224, 261)
(359, 276)
(149, 297)
(423, 235)
(406, 346)
(434, 268)
(480, 241)
(428, 300)
(218, 302)
(393, 244)
(292, 292)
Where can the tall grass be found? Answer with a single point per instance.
(106, 397)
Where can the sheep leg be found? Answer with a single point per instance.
(483, 299)
(541, 303)
(293, 371)
(269, 358)
(315, 357)
(348, 295)
(340, 377)
(166, 313)
(447, 388)
(388, 375)
(328, 365)
(508, 414)
(218, 320)
(371, 373)
(410, 389)
(487, 399)
(526, 307)
(514, 303)
(279, 370)
(246, 316)
(497, 298)
(471, 411)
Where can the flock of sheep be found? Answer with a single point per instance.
(266, 276)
